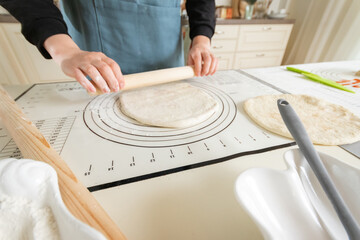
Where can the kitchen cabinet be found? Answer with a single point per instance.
(255, 59)
(263, 37)
(225, 60)
(250, 45)
(223, 45)
(21, 62)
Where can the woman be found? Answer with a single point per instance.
(112, 37)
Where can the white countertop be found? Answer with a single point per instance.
(194, 204)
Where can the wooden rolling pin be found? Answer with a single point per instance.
(145, 79)
(33, 145)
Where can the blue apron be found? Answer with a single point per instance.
(140, 35)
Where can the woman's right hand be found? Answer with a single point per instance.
(78, 64)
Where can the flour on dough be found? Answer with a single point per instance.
(326, 123)
(173, 105)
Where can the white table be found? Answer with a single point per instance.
(193, 204)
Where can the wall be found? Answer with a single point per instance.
(325, 30)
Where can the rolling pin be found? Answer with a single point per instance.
(145, 79)
(33, 145)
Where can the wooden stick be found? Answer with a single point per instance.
(145, 79)
(33, 145)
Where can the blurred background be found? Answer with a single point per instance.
(249, 34)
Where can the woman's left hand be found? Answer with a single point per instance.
(201, 57)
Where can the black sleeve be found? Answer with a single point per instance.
(201, 17)
(39, 20)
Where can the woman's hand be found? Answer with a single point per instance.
(104, 71)
(200, 55)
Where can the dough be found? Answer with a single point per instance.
(173, 105)
(326, 123)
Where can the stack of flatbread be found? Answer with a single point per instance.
(326, 123)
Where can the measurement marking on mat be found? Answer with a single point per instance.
(89, 171)
(153, 157)
(112, 166)
(189, 152)
(172, 155)
(207, 148)
(252, 137)
(266, 134)
(132, 164)
(237, 140)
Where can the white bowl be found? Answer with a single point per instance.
(37, 182)
(277, 15)
(291, 204)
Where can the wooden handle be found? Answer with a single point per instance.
(144, 79)
(33, 145)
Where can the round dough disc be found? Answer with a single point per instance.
(173, 105)
(326, 123)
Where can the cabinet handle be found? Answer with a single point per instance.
(266, 28)
(217, 47)
(260, 54)
(219, 32)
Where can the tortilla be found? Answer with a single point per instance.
(173, 105)
(326, 123)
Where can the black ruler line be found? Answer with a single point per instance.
(184, 168)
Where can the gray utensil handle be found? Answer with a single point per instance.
(297, 130)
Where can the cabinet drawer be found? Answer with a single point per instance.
(258, 59)
(225, 61)
(263, 37)
(222, 45)
(226, 32)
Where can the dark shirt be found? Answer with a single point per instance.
(41, 19)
